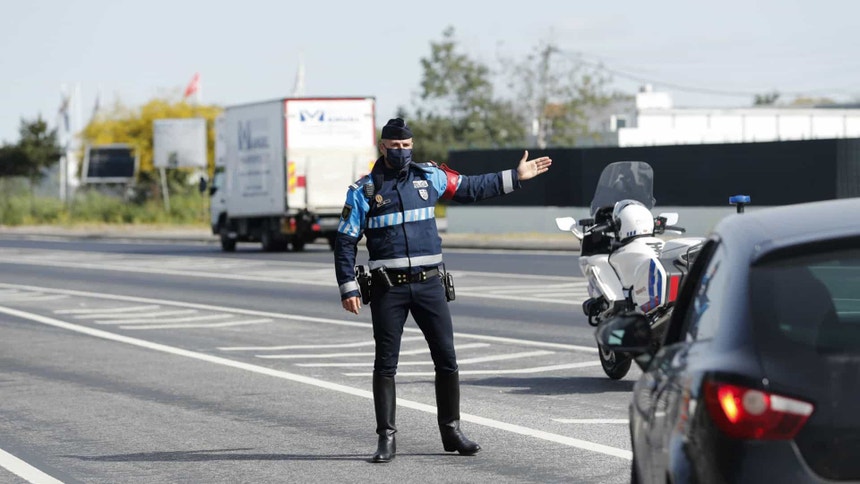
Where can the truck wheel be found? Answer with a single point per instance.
(298, 246)
(228, 244)
(272, 243)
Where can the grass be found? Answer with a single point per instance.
(90, 208)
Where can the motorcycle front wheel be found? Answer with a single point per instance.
(614, 365)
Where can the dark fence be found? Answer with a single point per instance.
(773, 173)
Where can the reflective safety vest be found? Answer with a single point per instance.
(396, 212)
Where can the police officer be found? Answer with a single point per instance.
(394, 207)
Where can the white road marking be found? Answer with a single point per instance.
(162, 314)
(591, 420)
(207, 317)
(509, 297)
(496, 424)
(296, 317)
(419, 351)
(305, 273)
(24, 470)
(34, 297)
(196, 326)
(518, 288)
(128, 309)
(481, 359)
(310, 347)
(516, 371)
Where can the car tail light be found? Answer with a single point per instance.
(674, 283)
(749, 413)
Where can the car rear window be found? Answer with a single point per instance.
(810, 300)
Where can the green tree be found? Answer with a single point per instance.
(457, 107)
(36, 151)
(766, 99)
(13, 161)
(39, 147)
(557, 94)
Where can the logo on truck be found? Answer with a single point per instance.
(247, 140)
(305, 115)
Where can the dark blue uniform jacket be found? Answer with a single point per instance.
(399, 218)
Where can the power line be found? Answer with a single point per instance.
(600, 65)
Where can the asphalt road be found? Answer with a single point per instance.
(154, 362)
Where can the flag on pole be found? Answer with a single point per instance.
(65, 100)
(299, 85)
(193, 86)
(96, 105)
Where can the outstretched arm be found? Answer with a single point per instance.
(467, 189)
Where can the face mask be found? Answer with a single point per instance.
(398, 158)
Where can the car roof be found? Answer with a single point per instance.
(758, 232)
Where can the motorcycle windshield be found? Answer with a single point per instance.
(624, 180)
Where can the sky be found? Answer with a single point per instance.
(705, 54)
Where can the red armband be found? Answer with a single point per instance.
(453, 180)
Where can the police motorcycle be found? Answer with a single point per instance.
(629, 269)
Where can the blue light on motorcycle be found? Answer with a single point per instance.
(739, 199)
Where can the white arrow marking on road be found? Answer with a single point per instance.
(262, 370)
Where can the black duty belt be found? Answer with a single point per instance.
(398, 278)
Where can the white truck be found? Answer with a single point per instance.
(282, 169)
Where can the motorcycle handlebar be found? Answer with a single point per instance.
(675, 228)
(600, 228)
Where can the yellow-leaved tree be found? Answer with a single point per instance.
(122, 124)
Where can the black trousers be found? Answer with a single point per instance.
(426, 301)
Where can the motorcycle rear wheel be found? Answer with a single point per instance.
(614, 365)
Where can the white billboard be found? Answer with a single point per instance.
(179, 143)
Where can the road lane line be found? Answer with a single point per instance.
(591, 420)
(516, 371)
(208, 317)
(467, 361)
(509, 297)
(310, 347)
(33, 298)
(196, 325)
(24, 470)
(228, 324)
(123, 309)
(296, 317)
(126, 265)
(419, 351)
(179, 312)
(262, 370)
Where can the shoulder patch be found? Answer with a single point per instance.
(360, 182)
(346, 212)
(426, 166)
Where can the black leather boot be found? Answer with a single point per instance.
(384, 403)
(448, 407)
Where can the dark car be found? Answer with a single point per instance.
(758, 376)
